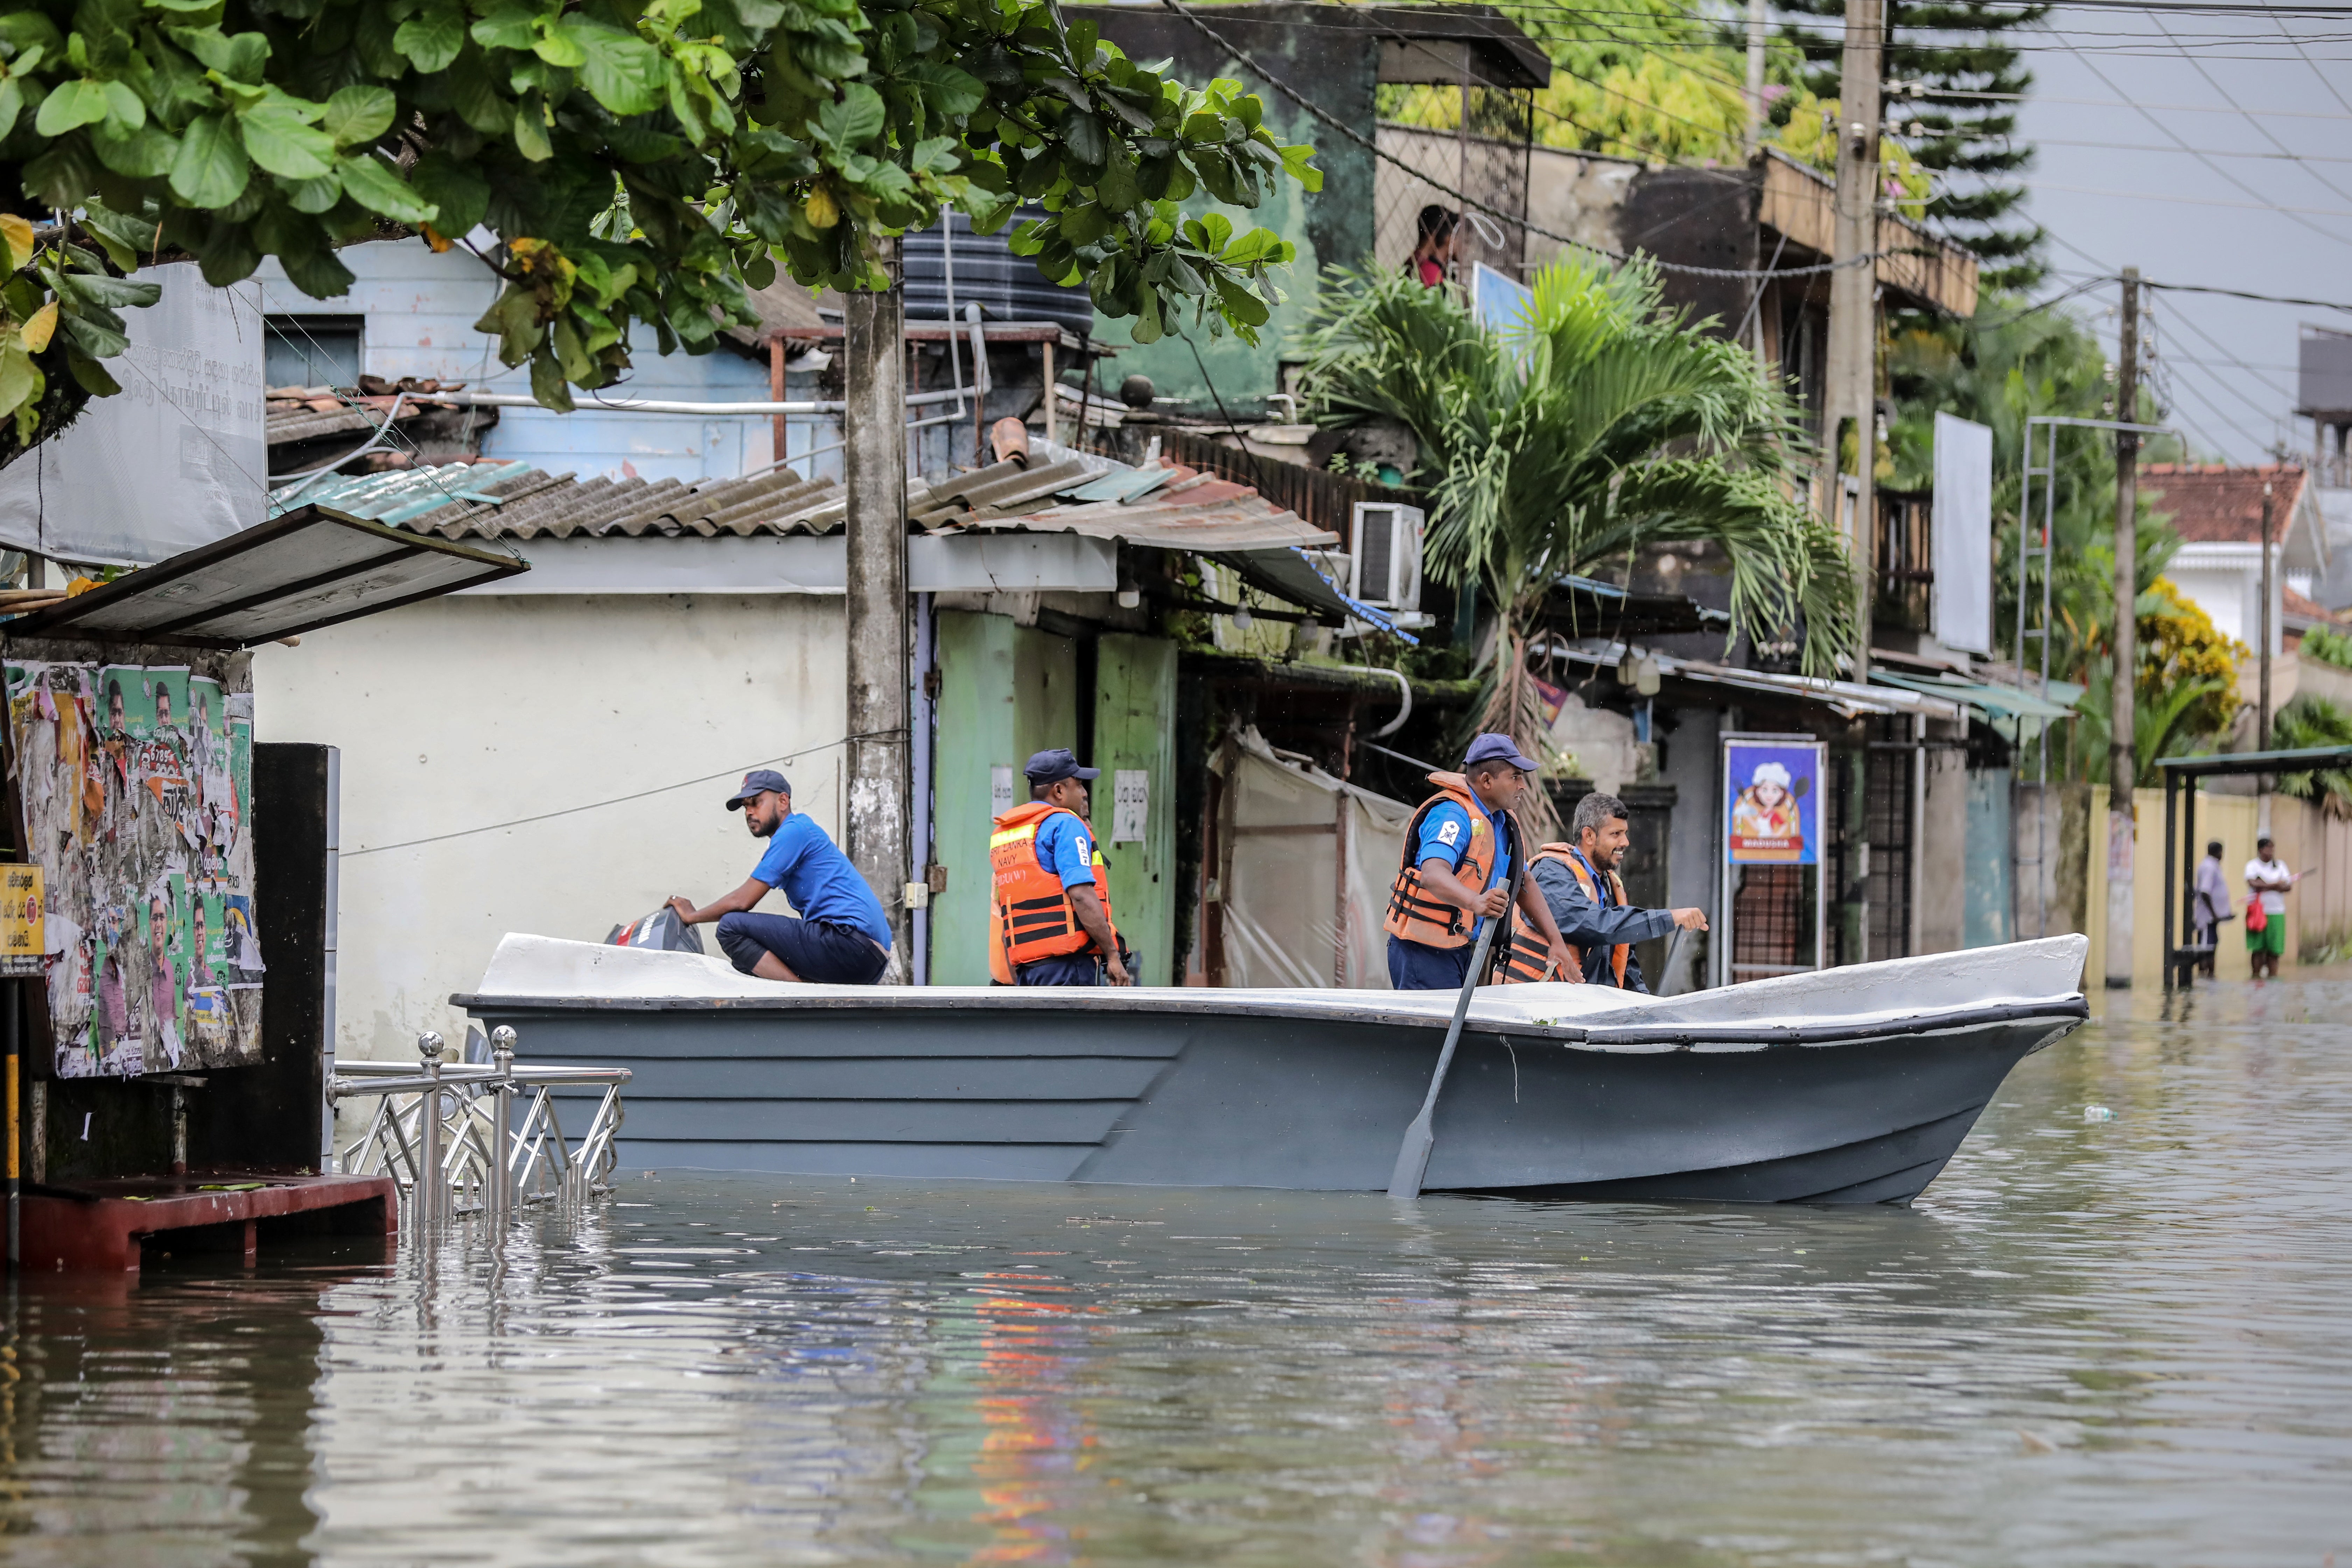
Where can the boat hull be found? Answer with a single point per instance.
(1198, 1097)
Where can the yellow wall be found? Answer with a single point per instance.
(2219, 817)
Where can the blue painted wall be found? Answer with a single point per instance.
(420, 311)
(1991, 902)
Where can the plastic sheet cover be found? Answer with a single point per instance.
(1306, 881)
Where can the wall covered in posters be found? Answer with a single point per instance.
(135, 781)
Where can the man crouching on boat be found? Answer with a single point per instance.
(1456, 873)
(1586, 900)
(841, 937)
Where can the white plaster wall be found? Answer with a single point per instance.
(460, 715)
(421, 309)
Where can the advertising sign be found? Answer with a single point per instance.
(1772, 803)
(20, 921)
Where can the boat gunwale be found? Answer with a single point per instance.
(2070, 1008)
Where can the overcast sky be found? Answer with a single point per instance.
(2266, 99)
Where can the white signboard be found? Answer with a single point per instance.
(1130, 805)
(1000, 791)
(1961, 595)
(176, 459)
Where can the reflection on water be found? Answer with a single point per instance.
(2110, 1341)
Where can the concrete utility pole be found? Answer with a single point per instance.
(2123, 769)
(2263, 709)
(1852, 389)
(1757, 22)
(1850, 393)
(873, 457)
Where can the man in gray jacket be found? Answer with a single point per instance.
(1580, 883)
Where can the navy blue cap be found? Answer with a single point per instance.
(1052, 767)
(758, 782)
(1495, 749)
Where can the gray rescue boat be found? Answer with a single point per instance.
(1850, 1086)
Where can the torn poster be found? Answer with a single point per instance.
(136, 786)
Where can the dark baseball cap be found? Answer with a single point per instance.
(758, 782)
(1495, 749)
(1052, 767)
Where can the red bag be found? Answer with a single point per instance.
(2257, 918)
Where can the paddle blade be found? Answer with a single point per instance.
(1412, 1158)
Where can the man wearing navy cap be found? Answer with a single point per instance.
(1049, 899)
(1456, 872)
(841, 937)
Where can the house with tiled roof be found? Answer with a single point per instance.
(2217, 511)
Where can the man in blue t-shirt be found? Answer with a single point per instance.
(1494, 775)
(841, 937)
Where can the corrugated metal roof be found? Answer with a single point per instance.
(1166, 508)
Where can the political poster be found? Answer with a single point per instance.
(136, 786)
(1772, 792)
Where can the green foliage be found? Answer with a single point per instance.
(1957, 52)
(634, 161)
(2328, 648)
(1601, 425)
(2308, 721)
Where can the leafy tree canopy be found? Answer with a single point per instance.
(633, 161)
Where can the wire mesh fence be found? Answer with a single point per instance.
(1467, 137)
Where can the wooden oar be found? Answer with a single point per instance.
(1412, 1155)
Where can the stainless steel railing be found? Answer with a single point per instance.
(456, 1122)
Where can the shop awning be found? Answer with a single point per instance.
(310, 568)
(2001, 702)
(1847, 698)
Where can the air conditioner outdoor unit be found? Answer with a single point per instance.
(1387, 564)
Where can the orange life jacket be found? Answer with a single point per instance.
(1030, 915)
(1417, 914)
(1528, 959)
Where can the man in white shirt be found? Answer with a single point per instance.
(2268, 882)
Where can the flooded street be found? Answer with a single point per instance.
(2094, 1340)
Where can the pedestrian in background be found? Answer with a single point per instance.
(2211, 907)
(2268, 882)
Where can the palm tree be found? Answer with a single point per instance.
(1598, 424)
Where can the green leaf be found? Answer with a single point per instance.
(313, 196)
(507, 27)
(946, 89)
(12, 104)
(98, 289)
(241, 57)
(530, 132)
(620, 70)
(559, 49)
(461, 194)
(90, 375)
(278, 140)
(432, 38)
(124, 108)
(1083, 135)
(95, 338)
(372, 183)
(19, 382)
(73, 105)
(853, 118)
(359, 113)
(547, 383)
(1240, 304)
(143, 155)
(1295, 163)
(211, 170)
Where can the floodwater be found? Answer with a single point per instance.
(2116, 1341)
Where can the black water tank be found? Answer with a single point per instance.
(1006, 287)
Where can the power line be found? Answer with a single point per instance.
(2125, 103)
(2175, 138)
(2200, 201)
(2229, 98)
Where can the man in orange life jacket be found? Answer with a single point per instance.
(1049, 909)
(1457, 871)
(1581, 889)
